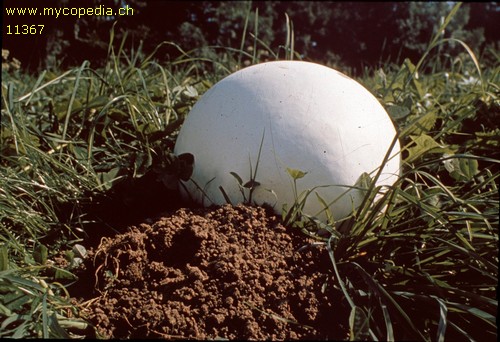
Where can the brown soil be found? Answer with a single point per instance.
(218, 273)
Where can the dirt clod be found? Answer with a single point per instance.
(224, 272)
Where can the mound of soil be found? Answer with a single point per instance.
(230, 272)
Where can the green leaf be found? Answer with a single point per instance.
(295, 174)
(107, 179)
(22, 330)
(63, 274)
(98, 101)
(40, 254)
(461, 169)
(422, 145)
(238, 178)
(21, 326)
(15, 301)
(398, 112)
(55, 328)
(190, 92)
(45, 326)
(414, 77)
(147, 128)
(363, 182)
(251, 184)
(422, 124)
(142, 162)
(468, 167)
(117, 114)
(329, 216)
(80, 251)
(5, 310)
(4, 258)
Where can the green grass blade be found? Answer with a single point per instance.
(45, 323)
(443, 310)
(72, 99)
(359, 324)
(383, 296)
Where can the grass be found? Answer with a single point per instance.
(421, 263)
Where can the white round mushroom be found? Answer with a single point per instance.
(300, 116)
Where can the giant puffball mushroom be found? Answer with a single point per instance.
(259, 123)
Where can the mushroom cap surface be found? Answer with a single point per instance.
(300, 115)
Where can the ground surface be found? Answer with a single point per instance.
(224, 272)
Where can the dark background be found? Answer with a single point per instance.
(352, 34)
